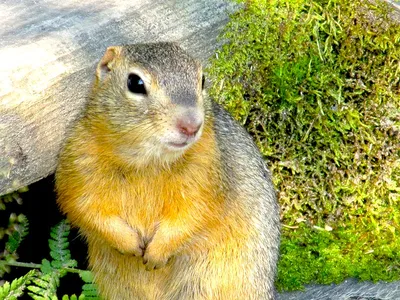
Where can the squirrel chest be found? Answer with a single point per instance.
(144, 199)
(190, 188)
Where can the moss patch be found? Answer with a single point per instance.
(316, 255)
(317, 85)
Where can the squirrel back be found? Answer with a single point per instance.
(171, 194)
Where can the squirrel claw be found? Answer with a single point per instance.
(154, 264)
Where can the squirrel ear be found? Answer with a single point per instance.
(107, 63)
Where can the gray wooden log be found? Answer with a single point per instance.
(48, 53)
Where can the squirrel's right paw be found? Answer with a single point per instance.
(124, 238)
(136, 249)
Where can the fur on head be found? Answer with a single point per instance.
(151, 96)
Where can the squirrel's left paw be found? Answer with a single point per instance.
(154, 259)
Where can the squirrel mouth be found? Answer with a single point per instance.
(178, 145)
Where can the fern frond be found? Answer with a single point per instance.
(86, 276)
(16, 288)
(73, 297)
(59, 246)
(46, 267)
(44, 287)
(4, 268)
(89, 289)
(14, 196)
(21, 230)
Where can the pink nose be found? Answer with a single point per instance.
(189, 125)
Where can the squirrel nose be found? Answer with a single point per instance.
(189, 125)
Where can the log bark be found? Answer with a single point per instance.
(49, 50)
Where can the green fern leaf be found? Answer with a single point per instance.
(73, 297)
(59, 247)
(3, 268)
(89, 289)
(15, 239)
(86, 276)
(44, 287)
(16, 288)
(46, 267)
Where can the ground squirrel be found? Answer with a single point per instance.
(171, 194)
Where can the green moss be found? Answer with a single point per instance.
(317, 85)
(316, 255)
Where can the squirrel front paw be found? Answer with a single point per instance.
(124, 238)
(154, 259)
(135, 248)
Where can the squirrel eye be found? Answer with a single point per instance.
(136, 84)
(203, 79)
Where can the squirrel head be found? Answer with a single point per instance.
(147, 102)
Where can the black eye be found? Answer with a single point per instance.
(203, 79)
(136, 84)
